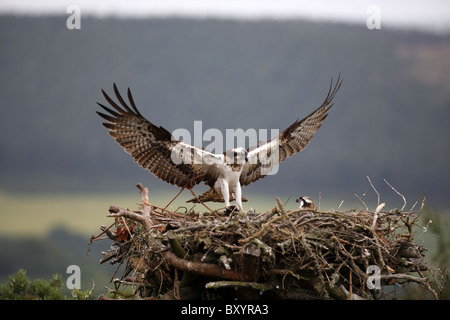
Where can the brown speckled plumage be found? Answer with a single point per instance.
(152, 147)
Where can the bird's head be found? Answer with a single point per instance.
(238, 155)
(306, 202)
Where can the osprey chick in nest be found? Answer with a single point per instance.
(306, 202)
(178, 163)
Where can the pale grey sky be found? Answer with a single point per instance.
(433, 15)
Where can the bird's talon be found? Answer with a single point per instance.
(231, 209)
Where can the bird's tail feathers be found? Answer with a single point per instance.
(213, 196)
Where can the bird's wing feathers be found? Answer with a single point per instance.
(263, 159)
(154, 148)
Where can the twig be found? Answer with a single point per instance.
(340, 205)
(403, 277)
(350, 288)
(212, 211)
(173, 199)
(175, 245)
(414, 205)
(126, 227)
(239, 284)
(104, 230)
(423, 204)
(260, 232)
(285, 203)
(319, 201)
(404, 200)
(286, 218)
(378, 194)
(118, 212)
(376, 213)
(176, 287)
(146, 209)
(361, 200)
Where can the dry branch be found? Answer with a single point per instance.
(205, 269)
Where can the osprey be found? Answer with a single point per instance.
(306, 202)
(178, 163)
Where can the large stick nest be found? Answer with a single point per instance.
(277, 254)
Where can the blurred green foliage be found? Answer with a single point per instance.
(19, 287)
(44, 256)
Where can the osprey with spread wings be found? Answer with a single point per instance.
(178, 163)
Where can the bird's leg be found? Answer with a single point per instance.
(238, 195)
(225, 194)
(224, 189)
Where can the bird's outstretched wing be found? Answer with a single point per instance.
(154, 148)
(263, 159)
